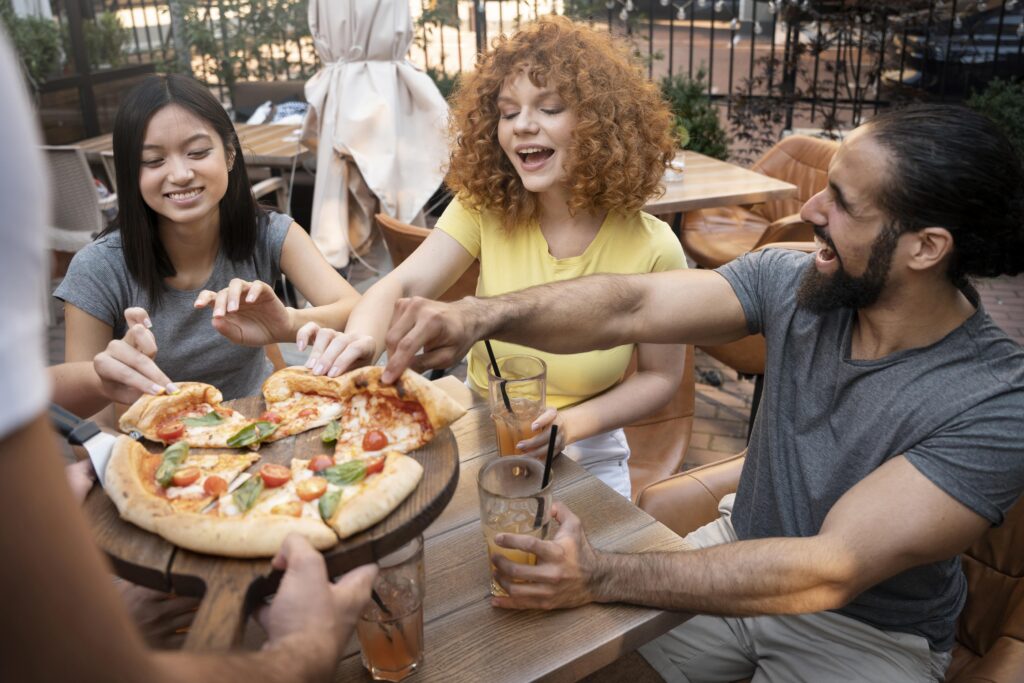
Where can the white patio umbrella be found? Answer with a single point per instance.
(382, 122)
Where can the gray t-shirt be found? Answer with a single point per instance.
(189, 348)
(953, 408)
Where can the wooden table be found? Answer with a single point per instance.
(468, 640)
(271, 145)
(709, 183)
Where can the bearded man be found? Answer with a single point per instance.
(889, 433)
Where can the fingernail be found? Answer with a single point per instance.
(156, 389)
(147, 322)
(172, 388)
(300, 345)
(535, 427)
(319, 369)
(310, 361)
(521, 445)
(334, 372)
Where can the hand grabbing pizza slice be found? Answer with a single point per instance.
(298, 401)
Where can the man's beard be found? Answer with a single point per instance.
(819, 293)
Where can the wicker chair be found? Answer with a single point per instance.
(77, 210)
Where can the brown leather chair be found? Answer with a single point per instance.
(713, 237)
(658, 443)
(990, 631)
(402, 239)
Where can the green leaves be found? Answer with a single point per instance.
(245, 495)
(329, 503)
(332, 432)
(345, 474)
(173, 457)
(211, 418)
(252, 434)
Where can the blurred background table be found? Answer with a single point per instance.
(468, 640)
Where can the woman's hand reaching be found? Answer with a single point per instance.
(333, 352)
(126, 368)
(248, 313)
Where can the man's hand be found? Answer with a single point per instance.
(444, 332)
(564, 571)
(126, 368)
(309, 605)
(333, 352)
(248, 313)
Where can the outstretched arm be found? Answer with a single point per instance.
(769, 576)
(595, 312)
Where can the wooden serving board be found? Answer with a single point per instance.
(232, 588)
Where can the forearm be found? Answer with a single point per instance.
(298, 657)
(766, 576)
(77, 388)
(637, 396)
(372, 315)
(334, 316)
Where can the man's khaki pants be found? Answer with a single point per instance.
(819, 648)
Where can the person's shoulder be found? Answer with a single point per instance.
(1002, 355)
(274, 221)
(104, 249)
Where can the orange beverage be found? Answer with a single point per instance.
(519, 556)
(511, 428)
(392, 648)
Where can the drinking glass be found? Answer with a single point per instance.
(523, 382)
(512, 500)
(390, 630)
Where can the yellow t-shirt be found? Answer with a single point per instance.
(625, 244)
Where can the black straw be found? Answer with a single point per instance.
(539, 519)
(497, 373)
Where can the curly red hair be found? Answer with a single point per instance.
(623, 137)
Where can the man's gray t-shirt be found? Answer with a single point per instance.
(954, 409)
(189, 348)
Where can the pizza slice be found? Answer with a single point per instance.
(395, 417)
(148, 486)
(298, 401)
(193, 415)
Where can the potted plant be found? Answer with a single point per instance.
(697, 124)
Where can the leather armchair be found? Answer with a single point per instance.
(990, 631)
(402, 239)
(713, 237)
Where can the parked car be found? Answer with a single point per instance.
(959, 54)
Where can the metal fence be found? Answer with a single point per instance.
(767, 64)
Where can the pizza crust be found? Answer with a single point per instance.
(379, 496)
(146, 413)
(281, 385)
(124, 485)
(440, 408)
(245, 536)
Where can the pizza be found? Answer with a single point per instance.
(232, 503)
(193, 415)
(399, 417)
(297, 401)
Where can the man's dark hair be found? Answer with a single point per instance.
(952, 167)
(145, 256)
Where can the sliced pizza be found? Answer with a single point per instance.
(147, 486)
(193, 415)
(396, 417)
(297, 401)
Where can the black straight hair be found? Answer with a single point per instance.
(144, 254)
(952, 167)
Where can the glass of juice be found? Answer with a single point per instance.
(390, 630)
(516, 398)
(512, 500)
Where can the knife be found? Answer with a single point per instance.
(97, 443)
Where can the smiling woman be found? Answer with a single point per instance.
(189, 237)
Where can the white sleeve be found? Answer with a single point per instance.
(25, 214)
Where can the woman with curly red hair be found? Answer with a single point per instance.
(557, 142)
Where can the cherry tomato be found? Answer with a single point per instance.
(312, 488)
(185, 475)
(274, 475)
(320, 462)
(215, 486)
(374, 440)
(170, 431)
(375, 465)
(270, 416)
(309, 412)
(292, 508)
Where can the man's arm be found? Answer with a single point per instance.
(893, 520)
(62, 619)
(595, 312)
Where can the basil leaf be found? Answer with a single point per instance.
(245, 495)
(252, 434)
(329, 503)
(173, 457)
(211, 418)
(346, 473)
(332, 432)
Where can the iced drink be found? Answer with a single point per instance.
(513, 427)
(517, 392)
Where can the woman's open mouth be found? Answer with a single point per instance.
(184, 195)
(533, 158)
